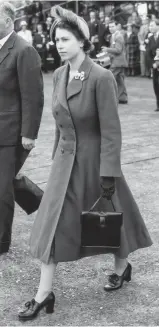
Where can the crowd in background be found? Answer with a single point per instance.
(137, 33)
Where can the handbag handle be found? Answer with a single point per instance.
(93, 206)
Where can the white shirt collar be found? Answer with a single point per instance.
(4, 40)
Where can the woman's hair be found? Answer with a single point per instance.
(76, 32)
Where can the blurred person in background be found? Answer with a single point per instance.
(39, 43)
(47, 25)
(144, 29)
(121, 29)
(132, 50)
(117, 53)
(106, 33)
(96, 29)
(156, 78)
(152, 43)
(134, 19)
(102, 17)
(25, 33)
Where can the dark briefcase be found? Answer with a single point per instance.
(100, 230)
(27, 194)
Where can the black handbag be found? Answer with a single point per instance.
(27, 194)
(100, 230)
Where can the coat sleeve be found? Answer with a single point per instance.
(57, 131)
(31, 91)
(56, 140)
(118, 46)
(107, 104)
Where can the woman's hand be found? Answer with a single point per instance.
(108, 186)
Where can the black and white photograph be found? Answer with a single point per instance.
(79, 163)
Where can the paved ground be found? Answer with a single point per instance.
(78, 287)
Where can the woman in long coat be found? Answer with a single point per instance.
(86, 155)
(132, 50)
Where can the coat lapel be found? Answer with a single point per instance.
(76, 85)
(5, 50)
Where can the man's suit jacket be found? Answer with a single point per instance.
(21, 91)
(96, 28)
(40, 39)
(117, 51)
(153, 45)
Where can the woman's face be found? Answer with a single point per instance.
(67, 44)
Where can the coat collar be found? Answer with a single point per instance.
(5, 50)
(76, 85)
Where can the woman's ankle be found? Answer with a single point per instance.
(120, 265)
(41, 295)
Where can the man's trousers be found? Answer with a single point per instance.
(156, 85)
(11, 160)
(119, 74)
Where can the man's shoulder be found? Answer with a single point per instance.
(119, 37)
(21, 43)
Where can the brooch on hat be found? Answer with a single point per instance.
(80, 76)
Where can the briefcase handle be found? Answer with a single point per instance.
(93, 206)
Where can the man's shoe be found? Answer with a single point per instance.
(115, 282)
(157, 109)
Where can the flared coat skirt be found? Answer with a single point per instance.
(57, 229)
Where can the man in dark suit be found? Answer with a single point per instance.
(153, 45)
(21, 105)
(118, 60)
(156, 78)
(106, 33)
(96, 29)
(39, 43)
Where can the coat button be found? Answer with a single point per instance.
(64, 138)
(61, 125)
(62, 151)
(56, 112)
(72, 151)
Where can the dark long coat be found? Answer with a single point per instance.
(87, 146)
(132, 50)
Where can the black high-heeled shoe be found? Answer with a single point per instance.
(32, 308)
(115, 282)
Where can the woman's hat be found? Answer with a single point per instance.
(23, 23)
(63, 15)
(157, 55)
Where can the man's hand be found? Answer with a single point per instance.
(104, 49)
(154, 65)
(39, 46)
(28, 144)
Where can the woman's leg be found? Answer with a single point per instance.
(120, 265)
(46, 280)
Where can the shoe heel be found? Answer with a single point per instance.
(50, 307)
(128, 276)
